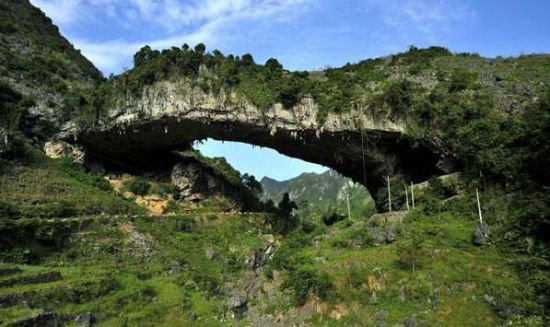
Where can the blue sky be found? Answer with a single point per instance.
(302, 34)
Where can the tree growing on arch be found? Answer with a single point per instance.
(200, 48)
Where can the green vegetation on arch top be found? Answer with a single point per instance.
(390, 82)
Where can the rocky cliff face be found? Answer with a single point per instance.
(195, 181)
(49, 78)
(172, 114)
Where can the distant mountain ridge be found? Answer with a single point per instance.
(319, 194)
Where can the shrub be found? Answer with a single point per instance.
(286, 257)
(301, 281)
(462, 79)
(147, 293)
(84, 291)
(67, 167)
(398, 96)
(324, 286)
(340, 243)
(164, 189)
(411, 255)
(137, 185)
(333, 218)
(183, 224)
(7, 210)
(440, 189)
(206, 282)
(356, 276)
(522, 321)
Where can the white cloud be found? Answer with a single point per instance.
(61, 11)
(205, 18)
(425, 16)
(111, 56)
(219, 23)
(172, 14)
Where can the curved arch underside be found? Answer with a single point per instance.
(164, 119)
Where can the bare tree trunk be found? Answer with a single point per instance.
(389, 194)
(412, 193)
(479, 208)
(349, 209)
(407, 197)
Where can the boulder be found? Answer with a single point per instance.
(9, 271)
(382, 315)
(61, 149)
(481, 235)
(210, 252)
(12, 299)
(87, 319)
(46, 319)
(33, 279)
(237, 303)
(390, 235)
(259, 257)
(376, 236)
(387, 218)
(411, 322)
(4, 141)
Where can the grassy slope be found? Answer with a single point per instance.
(141, 286)
(45, 188)
(26, 29)
(454, 282)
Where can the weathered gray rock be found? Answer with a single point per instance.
(196, 180)
(10, 271)
(387, 218)
(481, 235)
(382, 314)
(34, 279)
(11, 299)
(210, 252)
(87, 319)
(259, 257)
(178, 267)
(61, 149)
(46, 319)
(380, 318)
(411, 322)
(237, 303)
(168, 115)
(192, 316)
(376, 236)
(4, 141)
(390, 235)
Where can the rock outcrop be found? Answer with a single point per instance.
(194, 181)
(61, 149)
(4, 141)
(172, 114)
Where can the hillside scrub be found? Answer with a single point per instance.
(364, 84)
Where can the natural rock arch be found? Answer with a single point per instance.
(171, 115)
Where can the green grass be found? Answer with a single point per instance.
(450, 286)
(142, 270)
(102, 273)
(46, 188)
